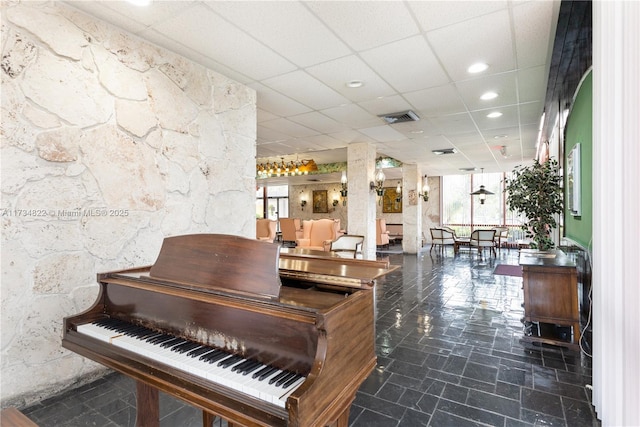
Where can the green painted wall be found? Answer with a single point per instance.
(579, 130)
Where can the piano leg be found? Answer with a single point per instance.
(147, 406)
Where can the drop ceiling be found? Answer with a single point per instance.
(410, 55)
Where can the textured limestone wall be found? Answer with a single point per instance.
(297, 192)
(109, 144)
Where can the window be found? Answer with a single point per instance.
(464, 212)
(272, 202)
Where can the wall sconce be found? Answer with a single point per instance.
(425, 189)
(303, 203)
(335, 202)
(343, 192)
(378, 185)
(399, 192)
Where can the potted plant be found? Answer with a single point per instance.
(535, 191)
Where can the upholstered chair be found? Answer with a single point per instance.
(317, 234)
(289, 232)
(483, 239)
(348, 246)
(502, 234)
(266, 229)
(441, 238)
(382, 234)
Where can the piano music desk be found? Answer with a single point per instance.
(200, 290)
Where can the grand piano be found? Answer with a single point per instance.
(228, 325)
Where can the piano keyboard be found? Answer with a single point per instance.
(261, 381)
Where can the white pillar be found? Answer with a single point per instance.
(411, 209)
(361, 201)
(616, 229)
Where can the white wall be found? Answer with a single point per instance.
(108, 145)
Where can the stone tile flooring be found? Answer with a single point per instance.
(448, 355)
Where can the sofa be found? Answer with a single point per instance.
(317, 234)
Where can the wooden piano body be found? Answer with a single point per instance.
(225, 291)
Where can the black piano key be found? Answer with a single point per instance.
(244, 365)
(278, 377)
(225, 363)
(183, 348)
(172, 343)
(286, 378)
(264, 373)
(252, 368)
(293, 379)
(160, 339)
(214, 356)
(200, 351)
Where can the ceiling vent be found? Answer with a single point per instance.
(444, 151)
(403, 116)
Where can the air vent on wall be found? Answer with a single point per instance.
(403, 116)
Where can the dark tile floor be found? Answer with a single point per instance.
(448, 350)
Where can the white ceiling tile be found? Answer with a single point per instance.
(350, 136)
(531, 112)
(273, 23)
(533, 84)
(288, 127)
(385, 105)
(207, 33)
(263, 115)
(366, 24)
(306, 89)
(438, 14)
(382, 133)
(454, 124)
(509, 118)
(407, 65)
(436, 101)
(337, 73)
(487, 39)
(325, 141)
(101, 10)
(504, 84)
(319, 122)
(267, 135)
(353, 115)
(148, 16)
(534, 28)
(276, 103)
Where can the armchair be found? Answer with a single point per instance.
(318, 234)
(266, 229)
(483, 239)
(347, 246)
(382, 234)
(502, 234)
(441, 237)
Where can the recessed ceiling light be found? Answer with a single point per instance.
(467, 169)
(488, 95)
(416, 131)
(500, 136)
(140, 3)
(355, 83)
(478, 67)
(494, 115)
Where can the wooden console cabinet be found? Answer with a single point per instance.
(550, 283)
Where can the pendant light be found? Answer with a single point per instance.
(482, 192)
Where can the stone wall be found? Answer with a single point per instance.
(297, 192)
(109, 144)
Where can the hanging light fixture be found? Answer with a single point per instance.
(482, 192)
(425, 189)
(378, 185)
(343, 192)
(290, 168)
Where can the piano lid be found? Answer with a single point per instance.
(220, 261)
